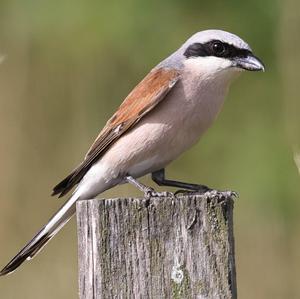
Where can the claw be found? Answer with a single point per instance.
(222, 195)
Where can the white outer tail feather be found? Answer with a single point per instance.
(37, 243)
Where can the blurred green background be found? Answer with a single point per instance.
(69, 64)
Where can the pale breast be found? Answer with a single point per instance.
(168, 130)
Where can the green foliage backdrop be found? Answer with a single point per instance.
(68, 65)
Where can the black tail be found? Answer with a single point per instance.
(27, 253)
(70, 181)
(64, 186)
(37, 243)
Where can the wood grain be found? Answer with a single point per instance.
(157, 248)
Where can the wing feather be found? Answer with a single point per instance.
(143, 98)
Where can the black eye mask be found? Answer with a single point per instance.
(215, 48)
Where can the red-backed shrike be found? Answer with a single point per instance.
(164, 115)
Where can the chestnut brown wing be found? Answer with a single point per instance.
(143, 98)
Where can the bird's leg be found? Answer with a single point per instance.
(148, 191)
(159, 178)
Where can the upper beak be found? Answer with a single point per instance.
(249, 63)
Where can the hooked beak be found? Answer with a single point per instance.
(249, 63)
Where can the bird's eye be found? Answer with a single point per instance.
(218, 48)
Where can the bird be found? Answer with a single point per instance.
(162, 117)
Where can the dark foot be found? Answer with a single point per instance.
(201, 190)
(159, 178)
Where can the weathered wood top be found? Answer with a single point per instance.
(158, 248)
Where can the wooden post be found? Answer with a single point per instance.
(158, 248)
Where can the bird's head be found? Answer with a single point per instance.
(219, 52)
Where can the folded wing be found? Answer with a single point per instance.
(143, 98)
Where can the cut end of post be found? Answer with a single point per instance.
(170, 247)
